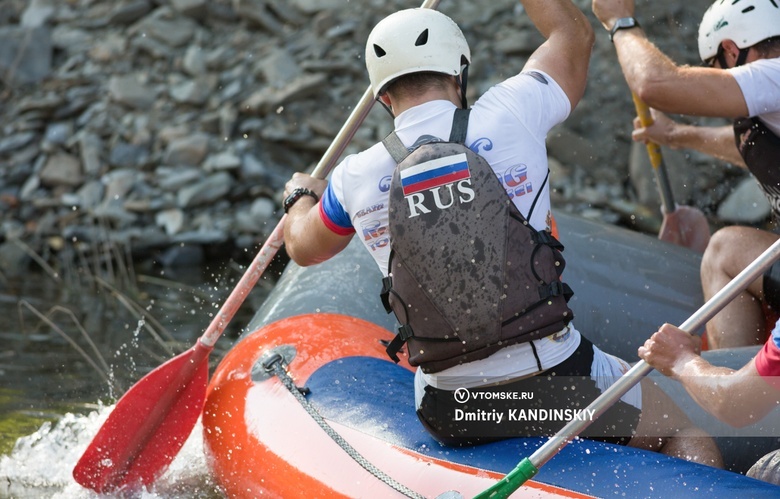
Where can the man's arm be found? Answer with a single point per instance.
(715, 141)
(738, 398)
(658, 81)
(306, 237)
(565, 54)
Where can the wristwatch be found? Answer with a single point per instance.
(623, 23)
(297, 194)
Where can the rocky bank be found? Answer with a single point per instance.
(169, 127)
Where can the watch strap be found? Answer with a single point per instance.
(623, 23)
(297, 194)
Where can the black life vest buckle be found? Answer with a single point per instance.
(546, 238)
(404, 333)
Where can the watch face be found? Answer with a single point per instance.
(623, 23)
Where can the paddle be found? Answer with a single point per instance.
(151, 422)
(529, 466)
(682, 225)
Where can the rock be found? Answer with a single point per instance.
(61, 169)
(680, 175)
(746, 204)
(25, 54)
(38, 13)
(187, 150)
(131, 91)
(13, 259)
(205, 191)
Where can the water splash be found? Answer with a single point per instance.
(40, 464)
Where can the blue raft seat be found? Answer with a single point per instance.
(377, 397)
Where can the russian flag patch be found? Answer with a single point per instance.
(435, 173)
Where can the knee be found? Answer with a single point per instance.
(722, 244)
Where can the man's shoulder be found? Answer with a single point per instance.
(528, 86)
(358, 168)
(760, 67)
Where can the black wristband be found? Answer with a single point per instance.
(297, 194)
(623, 23)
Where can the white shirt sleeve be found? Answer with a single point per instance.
(760, 85)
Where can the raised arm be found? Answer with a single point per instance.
(661, 83)
(565, 54)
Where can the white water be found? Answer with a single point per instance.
(40, 464)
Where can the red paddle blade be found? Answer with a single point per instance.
(148, 426)
(686, 226)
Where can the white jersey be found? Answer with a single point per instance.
(760, 85)
(507, 126)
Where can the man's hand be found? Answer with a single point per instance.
(608, 11)
(660, 132)
(669, 349)
(305, 180)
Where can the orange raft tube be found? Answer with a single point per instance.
(261, 441)
(280, 451)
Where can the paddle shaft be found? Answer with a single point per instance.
(529, 467)
(656, 159)
(276, 239)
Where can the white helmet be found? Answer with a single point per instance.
(745, 23)
(411, 41)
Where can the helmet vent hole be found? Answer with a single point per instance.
(748, 9)
(378, 51)
(422, 39)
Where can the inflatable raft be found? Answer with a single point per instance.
(342, 422)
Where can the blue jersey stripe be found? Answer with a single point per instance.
(334, 210)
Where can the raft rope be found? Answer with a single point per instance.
(275, 364)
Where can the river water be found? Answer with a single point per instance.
(72, 343)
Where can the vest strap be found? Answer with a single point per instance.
(387, 286)
(404, 333)
(460, 125)
(395, 147)
(546, 238)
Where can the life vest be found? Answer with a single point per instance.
(468, 274)
(760, 148)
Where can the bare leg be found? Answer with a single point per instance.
(731, 250)
(664, 427)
